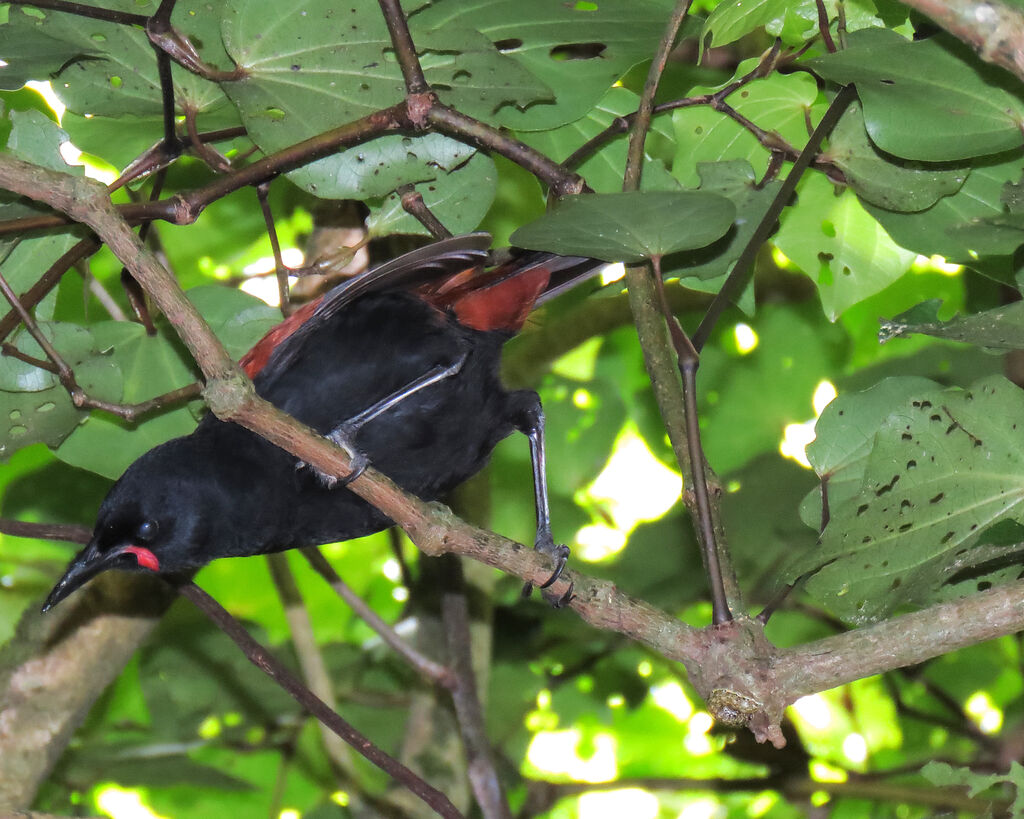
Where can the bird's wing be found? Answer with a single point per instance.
(438, 260)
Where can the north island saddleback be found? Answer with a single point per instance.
(399, 365)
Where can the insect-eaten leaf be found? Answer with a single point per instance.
(629, 227)
(915, 475)
(1001, 328)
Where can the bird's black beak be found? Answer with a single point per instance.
(87, 564)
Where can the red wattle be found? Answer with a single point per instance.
(146, 558)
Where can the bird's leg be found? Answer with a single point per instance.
(344, 435)
(528, 418)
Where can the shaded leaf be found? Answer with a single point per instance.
(955, 227)
(926, 100)
(605, 169)
(629, 227)
(707, 268)
(879, 180)
(34, 406)
(1001, 328)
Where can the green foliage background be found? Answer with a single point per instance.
(928, 162)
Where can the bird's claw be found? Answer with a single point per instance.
(344, 437)
(357, 466)
(560, 554)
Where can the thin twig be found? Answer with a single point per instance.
(46, 531)
(276, 670)
(109, 15)
(645, 281)
(688, 361)
(405, 51)
(432, 671)
(50, 279)
(768, 62)
(642, 121)
(280, 271)
(743, 267)
(483, 774)
(413, 204)
(311, 660)
(826, 36)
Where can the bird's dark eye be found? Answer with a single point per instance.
(147, 530)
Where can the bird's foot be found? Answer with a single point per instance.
(559, 553)
(343, 436)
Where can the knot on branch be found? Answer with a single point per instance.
(227, 395)
(734, 673)
(417, 107)
(431, 535)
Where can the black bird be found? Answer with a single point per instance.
(399, 364)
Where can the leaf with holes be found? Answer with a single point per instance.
(604, 170)
(879, 179)
(111, 69)
(376, 168)
(1001, 328)
(835, 242)
(152, 365)
(794, 21)
(943, 466)
(840, 449)
(460, 202)
(34, 406)
(781, 103)
(931, 100)
(578, 49)
(629, 227)
(316, 66)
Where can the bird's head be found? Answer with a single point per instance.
(156, 519)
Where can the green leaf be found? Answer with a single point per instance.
(840, 246)
(779, 103)
(112, 70)
(1001, 328)
(604, 170)
(579, 50)
(707, 268)
(629, 227)
(378, 167)
(34, 406)
(926, 100)
(460, 198)
(307, 71)
(957, 226)
(881, 181)
(238, 319)
(942, 773)
(151, 365)
(942, 466)
(736, 18)
(794, 21)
